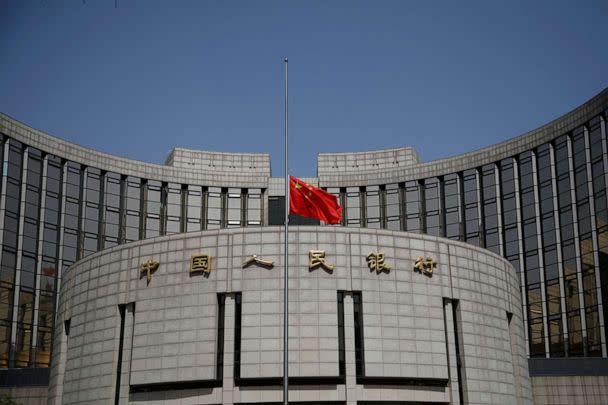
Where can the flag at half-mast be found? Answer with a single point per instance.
(311, 202)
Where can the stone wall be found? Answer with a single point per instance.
(164, 337)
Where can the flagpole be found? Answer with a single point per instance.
(286, 260)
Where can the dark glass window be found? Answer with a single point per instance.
(72, 213)
(451, 189)
(133, 208)
(13, 172)
(91, 210)
(111, 232)
(24, 328)
(598, 173)
(413, 209)
(471, 206)
(432, 206)
(6, 311)
(490, 208)
(358, 324)
(45, 329)
(535, 320)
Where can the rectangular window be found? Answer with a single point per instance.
(214, 208)
(133, 208)
(490, 208)
(235, 207)
(432, 202)
(451, 201)
(358, 323)
(413, 214)
(393, 211)
(353, 206)
(471, 207)
(372, 207)
(111, 226)
(153, 208)
(254, 207)
(194, 208)
(173, 215)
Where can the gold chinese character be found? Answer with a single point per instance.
(425, 266)
(200, 263)
(254, 259)
(148, 268)
(316, 258)
(375, 261)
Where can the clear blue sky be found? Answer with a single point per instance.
(443, 77)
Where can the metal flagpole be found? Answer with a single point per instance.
(286, 260)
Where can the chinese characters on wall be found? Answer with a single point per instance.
(376, 261)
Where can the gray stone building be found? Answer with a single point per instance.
(76, 224)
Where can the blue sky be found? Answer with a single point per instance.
(443, 77)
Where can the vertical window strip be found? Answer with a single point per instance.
(359, 342)
(237, 335)
(121, 340)
(458, 342)
(219, 361)
(341, 341)
(596, 338)
(23, 303)
(42, 335)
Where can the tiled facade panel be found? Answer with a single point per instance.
(120, 334)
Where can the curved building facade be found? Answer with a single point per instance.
(450, 333)
(538, 200)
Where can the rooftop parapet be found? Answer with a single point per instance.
(358, 162)
(189, 159)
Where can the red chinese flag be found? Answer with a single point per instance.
(311, 202)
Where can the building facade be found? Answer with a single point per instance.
(538, 200)
(364, 326)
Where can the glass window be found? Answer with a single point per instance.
(471, 206)
(12, 197)
(372, 207)
(194, 208)
(413, 214)
(72, 212)
(153, 208)
(432, 204)
(490, 208)
(393, 212)
(214, 208)
(235, 212)
(132, 204)
(174, 208)
(92, 212)
(353, 206)
(451, 201)
(24, 329)
(45, 328)
(6, 311)
(111, 229)
(254, 207)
